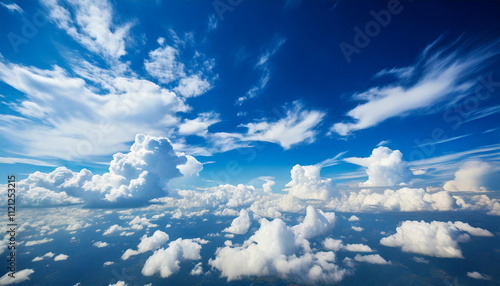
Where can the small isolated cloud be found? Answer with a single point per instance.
(385, 167)
(268, 185)
(46, 255)
(297, 126)
(107, 263)
(438, 239)
(147, 244)
(36, 242)
(357, 228)
(192, 86)
(20, 276)
(100, 244)
(353, 218)
(13, 7)
(477, 275)
(469, 178)
(198, 126)
(197, 269)
(119, 283)
(61, 257)
(114, 228)
(337, 244)
(240, 224)
(371, 258)
(165, 261)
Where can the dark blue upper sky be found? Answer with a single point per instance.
(267, 74)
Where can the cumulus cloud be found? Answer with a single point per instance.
(307, 183)
(46, 255)
(192, 86)
(385, 167)
(438, 239)
(119, 283)
(438, 76)
(276, 246)
(240, 224)
(167, 261)
(164, 64)
(147, 244)
(353, 218)
(61, 257)
(315, 222)
(134, 178)
(477, 275)
(337, 244)
(100, 244)
(404, 199)
(371, 258)
(20, 276)
(469, 178)
(197, 269)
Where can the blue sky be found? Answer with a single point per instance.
(274, 113)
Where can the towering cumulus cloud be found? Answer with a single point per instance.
(134, 178)
(306, 183)
(469, 178)
(385, 167)
(274, 248)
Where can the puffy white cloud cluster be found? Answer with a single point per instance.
(307, 183)
(438, 239)
(273, 249)
(147, 243)
(165, 261)
(385, 167)
(100, 244)
(240, 224)
(404, 199)
(61, 257)
(46, 255)
(477, 275)
(469, 178)
(134, 178)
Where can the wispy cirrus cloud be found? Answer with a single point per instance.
(437, 75)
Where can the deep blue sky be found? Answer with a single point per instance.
(308, 68)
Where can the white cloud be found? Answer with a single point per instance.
(269, 183)
(385, 167)
(100, 123)
(13, 7)
(107, 263)
(164, 64)
(357, 247)
(353, 218)
(470, 177)
(36, 242)
(166, 261)
(371, 258)
(61, 257)
(240, 224)
(404, 199)
(46, 255)
(439, 75)
(100, 244)
(315, 222)
(307, 183)
(192, 86)
(198, 126)
(91, 24)
(114, 228)
(20, 276)
(276, 246)
(477, 275)
(119, 283)
(336, 245)
(133, 178)
(147, 244)
(438, 239)
(357, 228)
(197, 269)
(296, 127)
